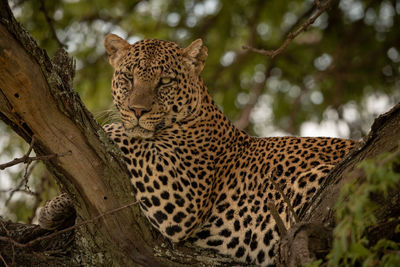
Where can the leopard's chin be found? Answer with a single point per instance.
(139, 133)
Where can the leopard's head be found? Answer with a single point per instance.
(156, 84)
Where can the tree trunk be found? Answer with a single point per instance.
(37, 99)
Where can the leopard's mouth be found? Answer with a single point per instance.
(139, 132)
(144, 129)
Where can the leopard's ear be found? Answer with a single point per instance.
(115, 46)
(194, 56)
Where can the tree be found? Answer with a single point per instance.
(37, 100)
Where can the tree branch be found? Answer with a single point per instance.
(50, 21)
(321, 8)
(243, 121)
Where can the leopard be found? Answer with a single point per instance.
(196, 176)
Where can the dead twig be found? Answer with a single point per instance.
(271, 206)
(321, 8)
(50, 21)
(277, 218)
(27, 173)
(29, 160)
(17, 189)
(3, 260)
(26, 159)
(244, 119)
(21, 159)
(286, 199)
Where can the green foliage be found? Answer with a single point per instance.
(356, 213)
(316, 263)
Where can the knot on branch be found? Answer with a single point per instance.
(64, 66)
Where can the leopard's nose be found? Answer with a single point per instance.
(139, 112)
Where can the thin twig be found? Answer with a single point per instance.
(30, 159)
(18, 187)
(12, 241)
(3, 260)
(321, 8)
(18, 190)
(49, 21)
(243, 121)
(13, 191)
(285, 198)
(21, 159)
(33, 140)
(278, 220)
(27, 173)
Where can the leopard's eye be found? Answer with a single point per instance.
(126, 76)
(130, 78)
(165, 80)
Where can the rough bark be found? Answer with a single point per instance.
(36, 98)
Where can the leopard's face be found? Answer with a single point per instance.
(153, 83)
